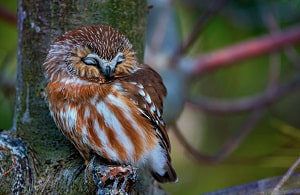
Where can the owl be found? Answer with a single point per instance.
(106, 102)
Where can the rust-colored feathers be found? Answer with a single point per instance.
(105, 102)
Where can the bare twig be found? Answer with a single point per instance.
(268, 16)
(290, 52)
(198, 156)
(245, 50)
(240, 135)
(269, 96)
(214, 7)
(245, 104)
(261, 187)
(271, 22)
(286, 176)
(228, 147)
(274, 71)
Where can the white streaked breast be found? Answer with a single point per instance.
(113, 122)
(127, 113)
(104, 140)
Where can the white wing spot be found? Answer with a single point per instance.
(142, 93)
(158, 113)
(153, 109)
(148, 99)
(133, 83)
(157, 122)
(140, 86)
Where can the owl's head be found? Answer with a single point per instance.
(95, 53)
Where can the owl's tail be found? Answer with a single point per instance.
(169, 176)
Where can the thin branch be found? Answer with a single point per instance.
(274, 64)
(228, 147)
(274, 71)
(245, 104)
(239, 135)
(290, 52)
(198, 156)
(271, 22)
(245, 50)
(214, 7)
(286, 176)
(264, 186)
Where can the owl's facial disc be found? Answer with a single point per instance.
(106, 68)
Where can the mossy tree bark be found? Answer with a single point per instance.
(43, 161)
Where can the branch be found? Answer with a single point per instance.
(285, 177)
(264, 186)
(245, 50)
(214, 7)
(228, 147)
(271, 22)
(245, 104)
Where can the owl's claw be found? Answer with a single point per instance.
(112, 179)
(115, 179)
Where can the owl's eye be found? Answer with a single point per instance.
(119, 58)
(92, 59)
(106, 68)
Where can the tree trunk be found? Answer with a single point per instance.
(41, 158)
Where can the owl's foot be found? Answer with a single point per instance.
(113, 179)
(117, 178)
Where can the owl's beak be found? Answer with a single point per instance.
(107, 71)
(109, 68)
(106, 68)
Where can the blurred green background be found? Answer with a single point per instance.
(271, 147)
(8, 64)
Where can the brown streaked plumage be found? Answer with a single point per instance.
(107, 103)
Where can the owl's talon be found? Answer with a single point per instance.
(111, 179)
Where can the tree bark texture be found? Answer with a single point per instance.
(41, 159)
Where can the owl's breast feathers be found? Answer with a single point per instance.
(120, 120)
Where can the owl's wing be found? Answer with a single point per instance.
(148, 91)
